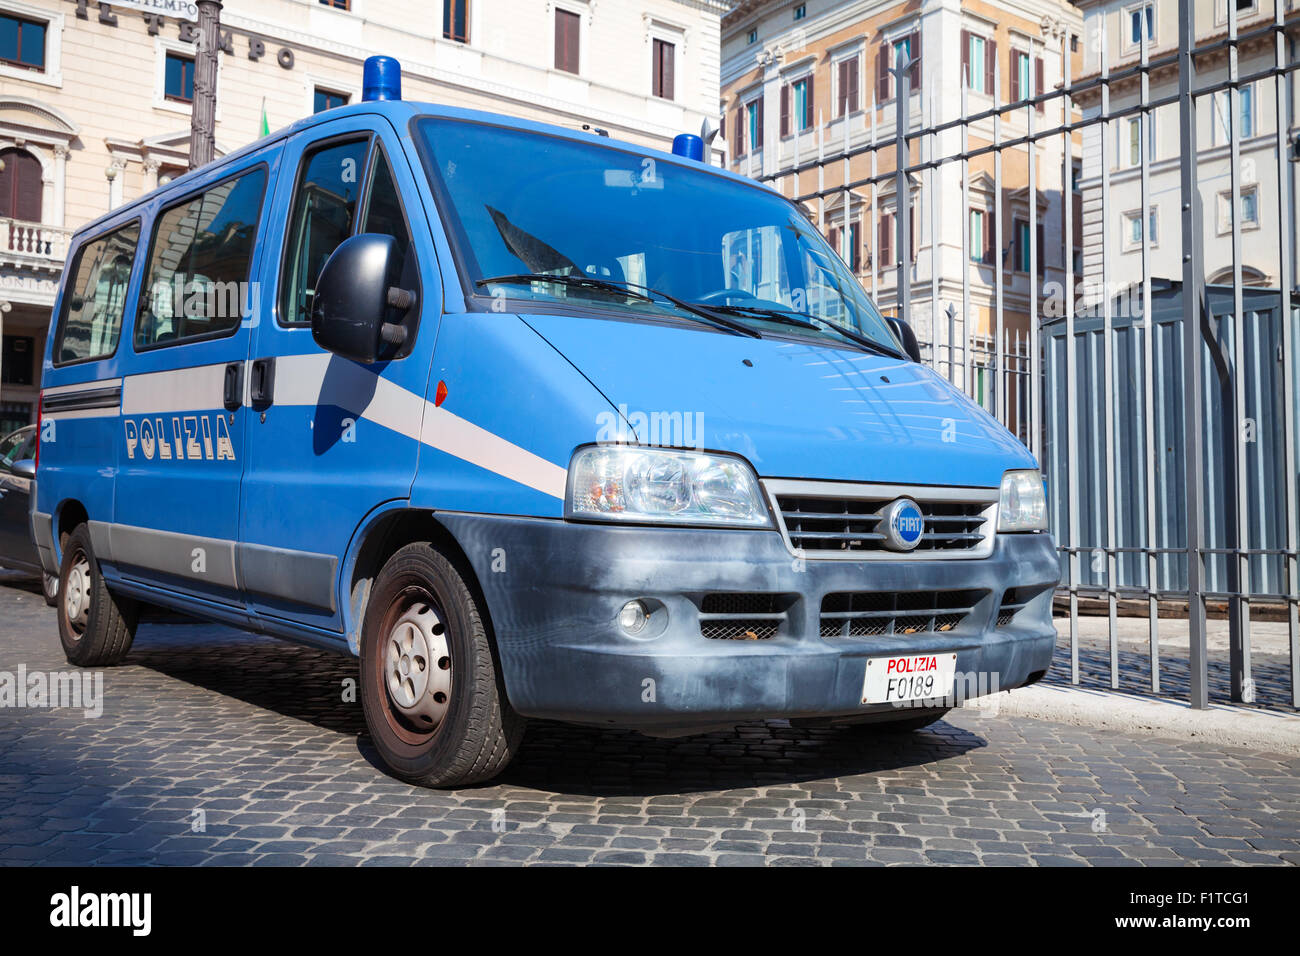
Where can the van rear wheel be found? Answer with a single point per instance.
(433, 701)
(96, 626)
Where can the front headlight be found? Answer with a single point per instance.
(1022, 504)
(629, 483)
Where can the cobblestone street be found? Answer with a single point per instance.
(248, 741)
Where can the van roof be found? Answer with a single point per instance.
(399, 113)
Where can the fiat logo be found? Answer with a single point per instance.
(902, 524)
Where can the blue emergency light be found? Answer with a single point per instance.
(381, 79)
(690, 146)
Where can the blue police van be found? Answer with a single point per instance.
(535, 424)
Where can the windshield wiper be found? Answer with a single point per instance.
(805, 321)
(646, 294)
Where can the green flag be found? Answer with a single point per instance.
(266, 126)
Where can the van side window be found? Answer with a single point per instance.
(95, 297)
(199, 263)
(384, 208)
(324, 211)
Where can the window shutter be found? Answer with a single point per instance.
(885, 241)
(669, 67)
(916, 60)
(1042, 252)
(882, 73)
(1038, 81)
(842, 93)
(965, 58)
(853, 84)
(738, 137)
(990, 65)
(1016, 93)
(833, 237)
(911, 234)
(761, 139)
(785, 109)
(808, 104)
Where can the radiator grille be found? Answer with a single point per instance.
(873, 613)
(957, 522)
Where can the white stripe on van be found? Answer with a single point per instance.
(308, 380)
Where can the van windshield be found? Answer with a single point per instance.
(522, 204)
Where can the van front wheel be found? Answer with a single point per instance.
(433, 701)
(96, 626)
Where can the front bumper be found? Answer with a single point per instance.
(554, 590)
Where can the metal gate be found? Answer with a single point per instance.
(1154, 375)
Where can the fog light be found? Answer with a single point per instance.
(633, 617)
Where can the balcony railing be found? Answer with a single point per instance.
(32, 243)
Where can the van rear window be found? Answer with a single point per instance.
(95, 297)
(197, 284)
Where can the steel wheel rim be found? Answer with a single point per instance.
(416, 664)
(76, 594)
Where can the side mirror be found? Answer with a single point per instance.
(25, 468)
(358, 305)
(906, 336)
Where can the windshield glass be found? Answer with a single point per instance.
(522, 203)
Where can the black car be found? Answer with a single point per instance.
(17, 471)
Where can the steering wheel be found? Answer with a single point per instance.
(721, 295)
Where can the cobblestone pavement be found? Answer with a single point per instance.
(250, 738)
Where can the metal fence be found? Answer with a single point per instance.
(1162, 405)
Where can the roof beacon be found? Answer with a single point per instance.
(381, 79)
(690, 146)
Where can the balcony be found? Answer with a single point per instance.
(33, 245)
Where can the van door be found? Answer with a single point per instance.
(176, 500)
(329, 439)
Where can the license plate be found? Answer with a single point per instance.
(890, 680)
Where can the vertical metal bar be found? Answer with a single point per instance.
(1148, 353)
(965, 237)
(933, 207)
(1000, 409)
(1071, 375)
(1109, 379)
(1286, 243)
(847, 236)
(875, 207)
(902, 194)
(1239, 604)
(1193, 398)
(1031, 155)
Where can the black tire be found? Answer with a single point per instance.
(471, 733)
(905, 726)
(50, 588)
(96, 626)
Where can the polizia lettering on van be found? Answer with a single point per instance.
(191, 438)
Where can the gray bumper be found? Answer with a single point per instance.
(554, 591)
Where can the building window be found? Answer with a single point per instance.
(337, 4)
(979, 61)
(846, 86)
(20, 186)
(752, 38)
(797, 106)
(328, 100)
(16, 364)
(566, 40)
(852, 252)
(1141, 21)
(22, 43)
(801, 11)
(1223, 114)
(1129, 144)
(1133, 228)
(892, 52)
(661, 79)
(455, 20)
(178, 80)
(980, 236)
(1249, 209)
